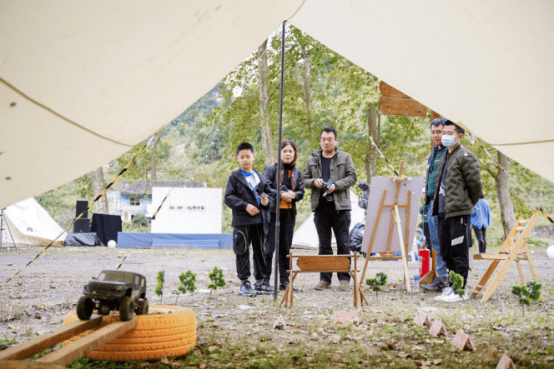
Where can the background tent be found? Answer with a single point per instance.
(30, 224)
(306, 235)
(82, 82)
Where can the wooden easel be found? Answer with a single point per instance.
(509, 252)
(395, 219)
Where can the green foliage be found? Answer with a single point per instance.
(527, 293)
(160, 280)
(376, 284)
(457, 283)
(217, 279)
(188, 281)
(140, 220)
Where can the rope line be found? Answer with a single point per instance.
(82, 213)
(161, 204)
(539, 207)
(27, 97)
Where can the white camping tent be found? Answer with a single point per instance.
(83, 81)
(30, 224)
(306, 235)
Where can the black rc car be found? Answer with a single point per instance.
(114, 290)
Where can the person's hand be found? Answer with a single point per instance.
(331, 189)
(318, 183)
(287, 196)
(264, 201)
(252, 210)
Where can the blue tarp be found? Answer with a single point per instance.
(154, 240)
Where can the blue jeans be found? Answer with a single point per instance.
(434, 241)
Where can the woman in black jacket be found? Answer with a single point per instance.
(292, 191)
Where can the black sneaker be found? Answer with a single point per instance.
(436, 286)
(263, 288)
(284, 287)
(246, 290)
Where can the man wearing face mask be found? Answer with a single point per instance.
(458, 182)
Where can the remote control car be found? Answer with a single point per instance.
(114, 290)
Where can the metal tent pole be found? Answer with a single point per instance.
(278, 173)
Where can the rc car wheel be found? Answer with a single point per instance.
(126, 309)
(166, 330)
(104, 309)
(84, 308)
(142, 308)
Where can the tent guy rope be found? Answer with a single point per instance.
(82, 213)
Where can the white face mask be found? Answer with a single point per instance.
(448, 140)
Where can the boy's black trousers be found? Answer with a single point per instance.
(243, 236)
(455, 240)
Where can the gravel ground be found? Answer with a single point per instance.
(36, 301)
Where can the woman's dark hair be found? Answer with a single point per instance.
(284, 143)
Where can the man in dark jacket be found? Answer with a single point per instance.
(330, 174)
(458, 185)
(430, 223)
(246, 194)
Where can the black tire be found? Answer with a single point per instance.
(104, 309)
(126, 309)
(84, 308)
(142, 308)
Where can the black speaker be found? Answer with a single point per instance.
(81, 206)
(82, 225)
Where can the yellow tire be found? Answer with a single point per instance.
(165, 330)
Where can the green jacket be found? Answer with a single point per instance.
(343, 174)
(463, 183)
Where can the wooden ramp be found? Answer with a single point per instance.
(15, 356)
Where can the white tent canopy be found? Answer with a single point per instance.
(29, 223)
(82, 82)
(306, 235)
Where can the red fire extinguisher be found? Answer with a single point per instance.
(425, 258)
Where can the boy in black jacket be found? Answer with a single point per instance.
(246, 195)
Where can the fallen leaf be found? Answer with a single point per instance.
(202, 366)
(169, 361)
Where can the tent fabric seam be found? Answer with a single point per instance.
(21, 93)
(525, 143)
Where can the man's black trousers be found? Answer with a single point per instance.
(242, 237)
(481, 235)
(339, 222)
(455, 240)
(287, 219)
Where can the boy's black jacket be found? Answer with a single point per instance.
(238, 195)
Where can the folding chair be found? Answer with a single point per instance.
(509, 252)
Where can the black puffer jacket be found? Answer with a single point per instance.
(298, 186)
(238, 195)
(462, 184)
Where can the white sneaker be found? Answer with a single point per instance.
(445, 292)
(455, 298)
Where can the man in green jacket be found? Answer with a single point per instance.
(330, 173)
(458, 181)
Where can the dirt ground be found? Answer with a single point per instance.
(237, 332)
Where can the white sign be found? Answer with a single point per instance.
(187, 210)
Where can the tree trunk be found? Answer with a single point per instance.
(153, 176)
(503, 194)
(371, 155)
(308, 98)
(97, 177)
(263, 77)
